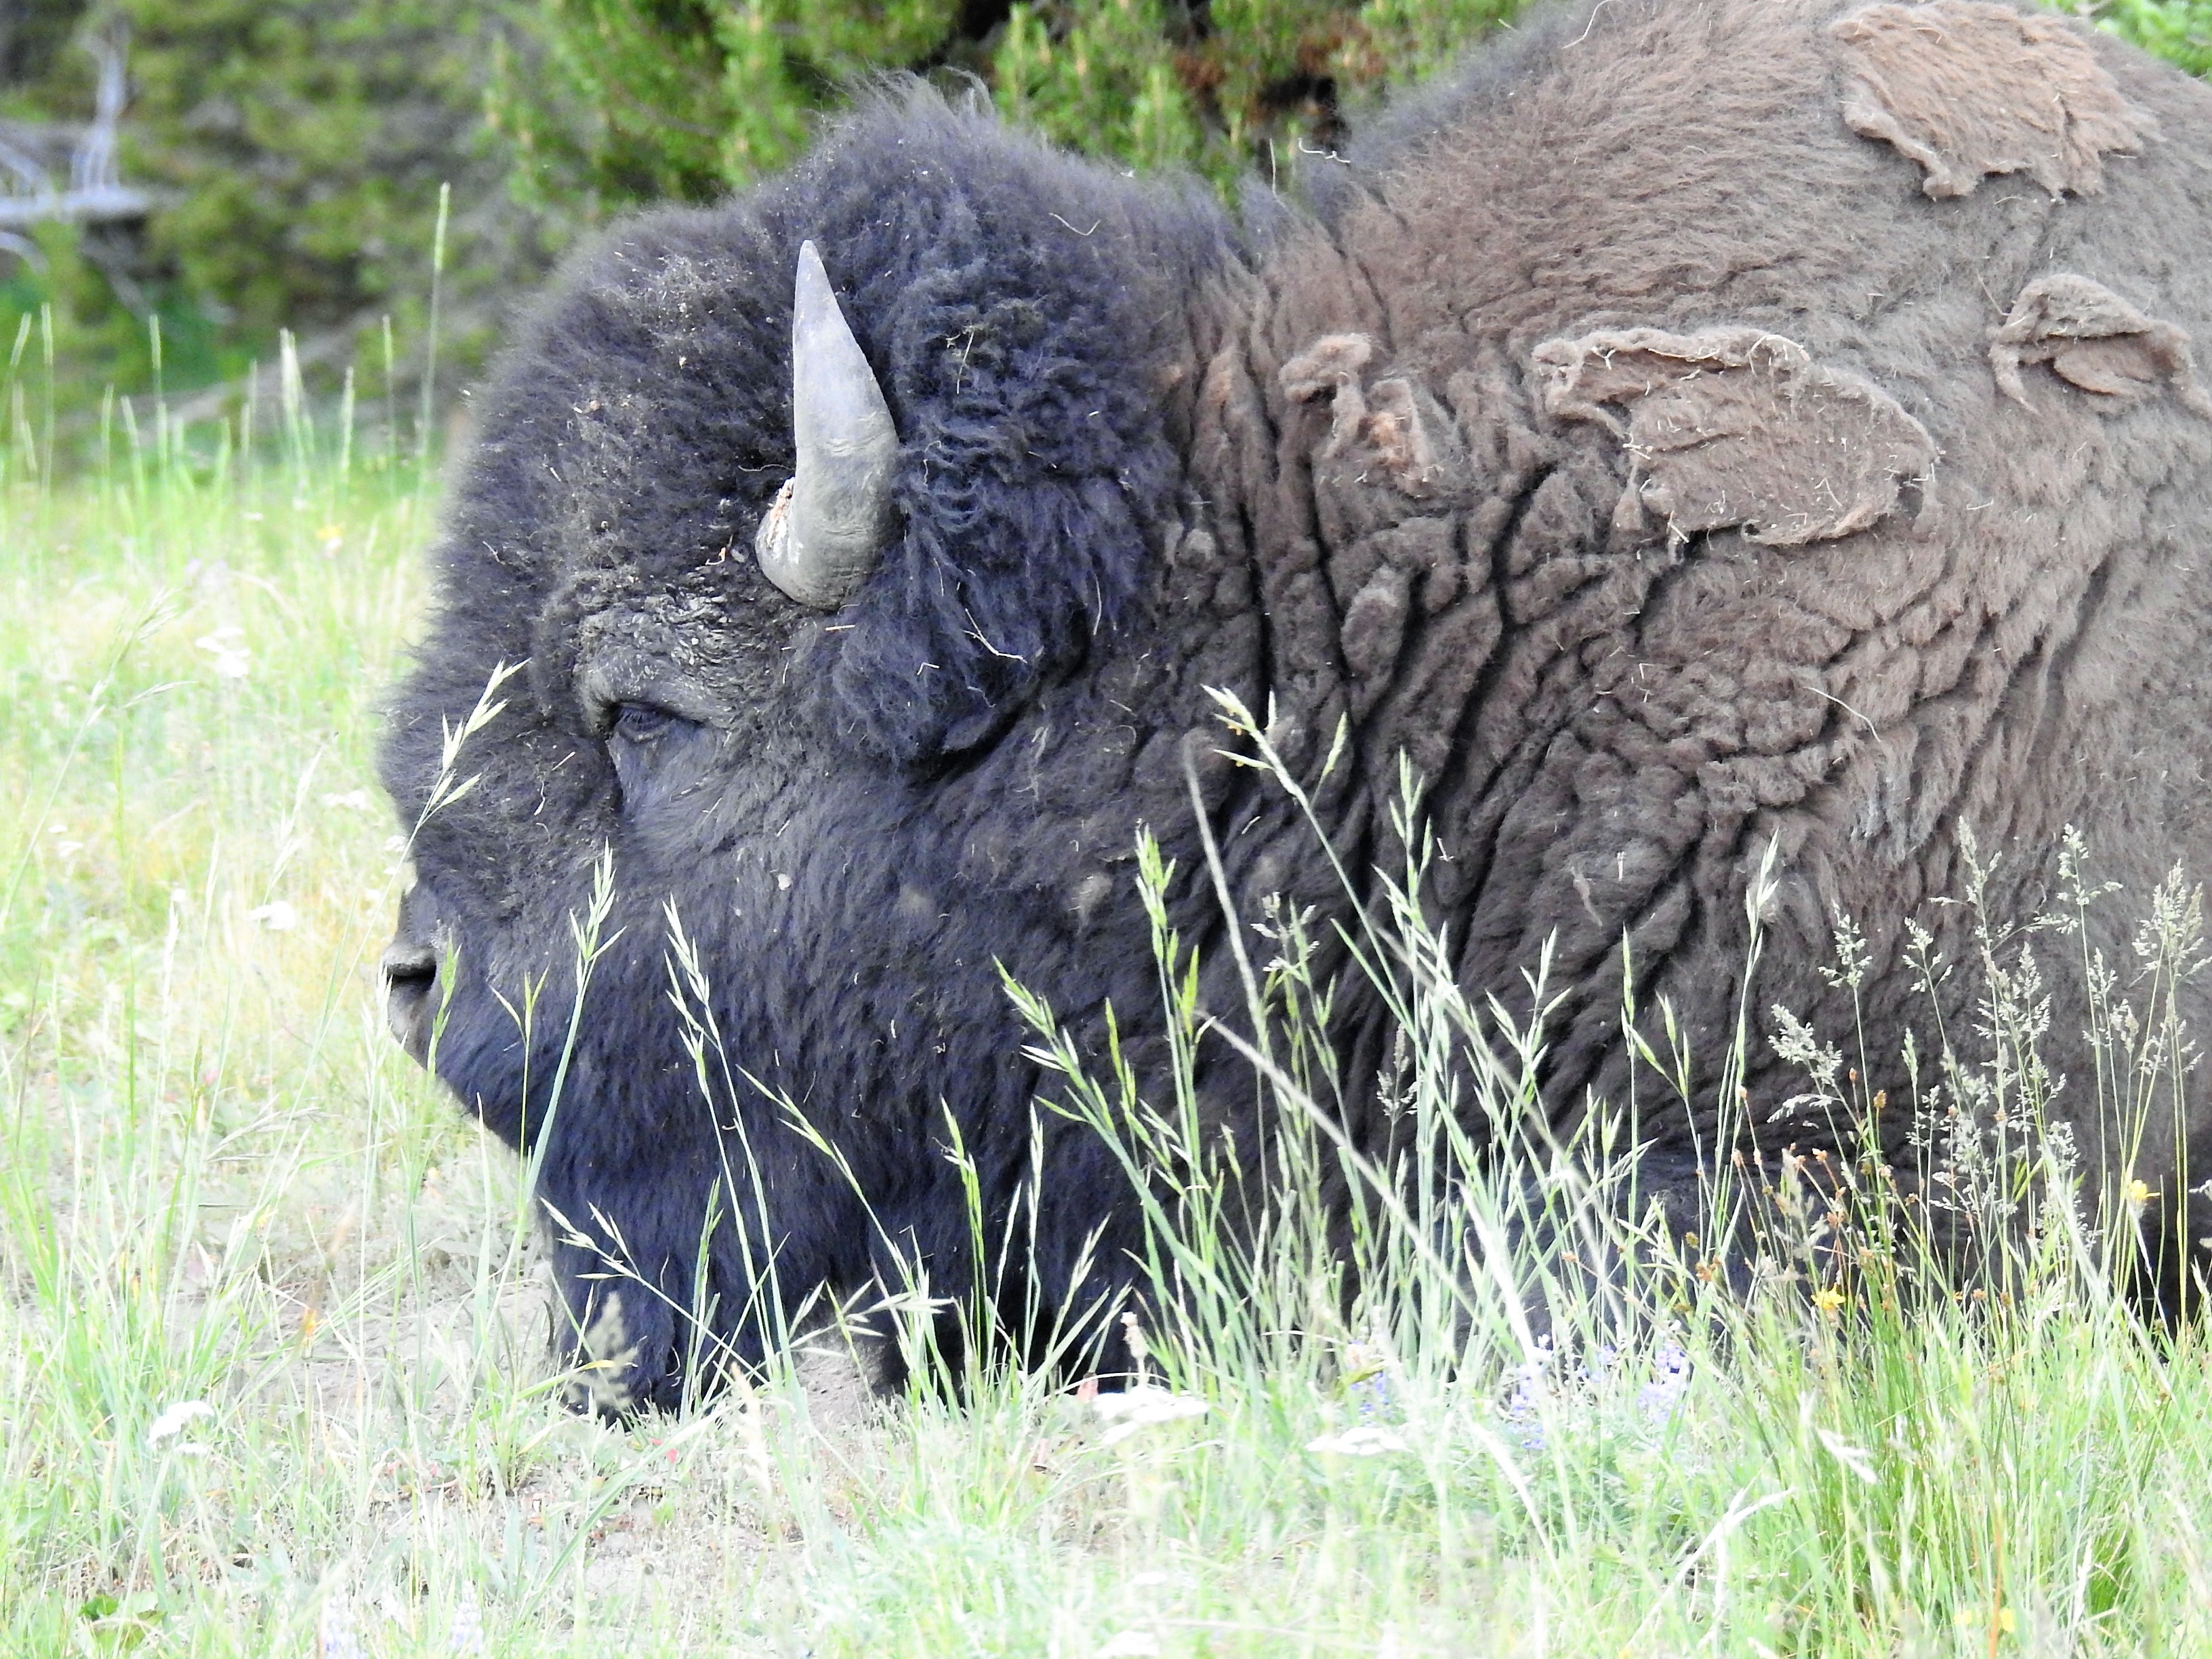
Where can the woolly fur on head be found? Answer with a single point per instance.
(1017, 307)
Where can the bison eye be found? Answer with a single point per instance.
(644, 722)
(643, 741)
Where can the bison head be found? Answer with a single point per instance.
(820, 534)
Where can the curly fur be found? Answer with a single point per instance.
(1146, 453)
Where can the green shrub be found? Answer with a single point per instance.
(615, 102)
(297, 149)
(607, 102)
(302, 144)
(2179, 31)
(72, 310)
(32, 35)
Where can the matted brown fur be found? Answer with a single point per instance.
(1969, 90)
(2094, 340)
(1735, 427)
(1383, 424)
(1614, 721)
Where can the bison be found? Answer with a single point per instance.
(1699, 431)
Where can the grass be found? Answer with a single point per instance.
(272, 1373)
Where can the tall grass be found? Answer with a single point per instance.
(271, 1343)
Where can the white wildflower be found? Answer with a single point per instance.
(232, 659)
(349, 800)
(277, 917)
(1130, 1644)
(1366, 1440)
(1137, 1408)
(176, 1419)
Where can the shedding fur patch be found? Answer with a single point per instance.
(1382, 427)
(1734, 428)
(1967, 90)
(2093, 339)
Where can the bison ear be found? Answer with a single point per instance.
(831, 522)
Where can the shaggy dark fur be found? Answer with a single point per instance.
(1816, 567)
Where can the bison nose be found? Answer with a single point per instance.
(410, 994)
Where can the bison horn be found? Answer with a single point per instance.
(821, 538)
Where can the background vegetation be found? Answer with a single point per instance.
(298, 149)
